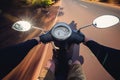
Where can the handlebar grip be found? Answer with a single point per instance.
(77, 37)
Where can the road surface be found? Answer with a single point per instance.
(84, 13)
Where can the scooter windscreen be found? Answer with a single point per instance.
(61, 31)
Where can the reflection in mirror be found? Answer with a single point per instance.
(105, 21)
(21, 26)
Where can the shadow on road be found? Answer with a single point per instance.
(61, 13)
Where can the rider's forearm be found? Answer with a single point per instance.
(12, 55)
(107, 56)
(100, 51)
(97, 48)
(21, 48)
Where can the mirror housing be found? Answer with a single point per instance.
(105, 21)
(21, 26)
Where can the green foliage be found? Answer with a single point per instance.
(43, 3)
(36, 2)
(46, 2)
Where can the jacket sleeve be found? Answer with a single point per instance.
(108, 57)
(11, 56)
(21, 48)
(100, 51)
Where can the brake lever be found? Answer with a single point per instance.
(54, 47)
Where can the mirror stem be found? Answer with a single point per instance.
(85, 27)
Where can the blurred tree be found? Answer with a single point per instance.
(103, 0)
(40, 3)
(4, 4)
(7, 4)
(46, 3)
(109, 1)
(114, 1)
(55, 0)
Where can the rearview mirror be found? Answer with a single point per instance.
(105, 21)
(21, 26)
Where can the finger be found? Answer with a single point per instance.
(75, 25)
(71, 23)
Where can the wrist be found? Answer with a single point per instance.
(37, 39)
(86, 40)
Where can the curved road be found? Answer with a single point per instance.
(84, 13)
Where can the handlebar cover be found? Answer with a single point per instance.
(76, 37)
(47, 37)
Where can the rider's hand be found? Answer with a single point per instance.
(47, 37)
(76, 37)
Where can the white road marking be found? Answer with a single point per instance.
(83, 6)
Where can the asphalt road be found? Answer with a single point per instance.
(84, 13)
